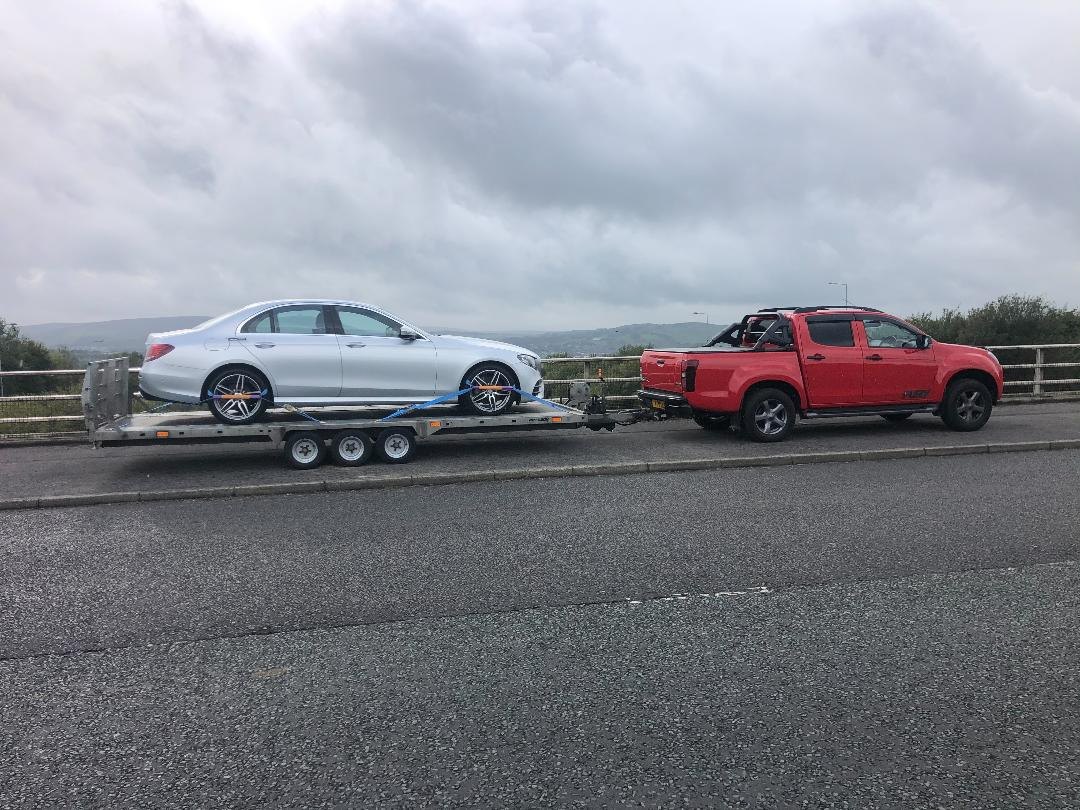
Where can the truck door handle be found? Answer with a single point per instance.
(355, 345)
(815, 357)
(874, 357)
(264, 345)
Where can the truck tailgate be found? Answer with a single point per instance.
(662, 370)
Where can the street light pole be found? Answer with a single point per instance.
(706, 314)
(841, 284)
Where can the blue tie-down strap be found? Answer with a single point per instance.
(447, 397)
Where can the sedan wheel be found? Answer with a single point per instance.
(237, 396)
(490, 401)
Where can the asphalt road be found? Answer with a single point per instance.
(80, 469)
(557, 642)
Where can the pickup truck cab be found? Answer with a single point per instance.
(781, 363)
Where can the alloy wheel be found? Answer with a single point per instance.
(246, 392)
(969, 406)
(771, 417)
(490, 401)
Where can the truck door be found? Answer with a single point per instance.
(896, 371)
(831, 362)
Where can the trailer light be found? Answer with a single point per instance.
(162, 434)
(556, 419)
(157, 350)
(435, 425)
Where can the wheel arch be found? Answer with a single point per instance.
(237, 367)
(781, 385)
(984, 377)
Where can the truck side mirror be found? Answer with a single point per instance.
(922, 342)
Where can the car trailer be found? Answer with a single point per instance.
(349, 439)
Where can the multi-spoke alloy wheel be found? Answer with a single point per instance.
(487, 400)
(237, 396)
(967, 405)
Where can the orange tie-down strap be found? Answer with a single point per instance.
(493, 388)
(238, 396)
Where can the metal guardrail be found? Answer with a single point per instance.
(1038, 385)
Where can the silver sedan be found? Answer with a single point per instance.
(313, 352)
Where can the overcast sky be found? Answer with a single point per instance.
(535, 164)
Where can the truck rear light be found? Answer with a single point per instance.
(157, 350)
(689, 375)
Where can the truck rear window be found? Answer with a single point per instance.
(831, 333)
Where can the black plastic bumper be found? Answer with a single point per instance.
(665, 403)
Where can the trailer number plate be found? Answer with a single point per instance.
(657, 405)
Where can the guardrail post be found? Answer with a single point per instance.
(1036, 387)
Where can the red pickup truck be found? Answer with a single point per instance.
(783, 362)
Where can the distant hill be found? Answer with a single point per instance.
(130, 335)
(606, 341)
(127, 335)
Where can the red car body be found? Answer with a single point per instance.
(828, 361)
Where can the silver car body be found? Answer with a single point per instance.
(322, 366)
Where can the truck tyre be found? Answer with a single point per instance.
(395, 445)
(768, 415)
(351, 448)
(237, 396)
(895, 417)
(967, 404)
(304, 450)
(710, 422)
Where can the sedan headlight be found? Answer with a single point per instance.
(531, 360)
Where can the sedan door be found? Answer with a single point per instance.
(377, 364)
(897, 372)
(298, 351)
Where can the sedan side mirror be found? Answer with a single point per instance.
(405, 333)
(922, 342)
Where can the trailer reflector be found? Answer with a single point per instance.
(435, 425)
(162, 434)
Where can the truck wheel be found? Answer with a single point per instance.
(967, 404)
(712, 422)
(395, 445)
(304, 450)
(768, 415)
(351, 448)
(895, 417)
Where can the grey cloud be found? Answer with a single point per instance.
(530, 165)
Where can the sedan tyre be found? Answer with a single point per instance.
(237, 396)
(768, 415)
(488, 402)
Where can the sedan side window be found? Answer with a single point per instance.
(263, 324)
(889, 335)
(301, 320)
(365, 323)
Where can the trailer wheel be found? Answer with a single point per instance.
(304, 450)
(351, 448)
(395, 445)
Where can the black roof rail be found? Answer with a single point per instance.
(835, 306)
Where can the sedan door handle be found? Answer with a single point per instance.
(874, 357)
(356, 345)
(815, 357)
(264, 345)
